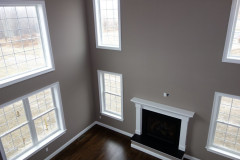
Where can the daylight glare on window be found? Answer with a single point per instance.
(112, 92)
(111, 96)
(107, 23)
(227, 133)
(235, 50)
(25, 123)
(22, 41)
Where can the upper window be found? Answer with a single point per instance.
(232, 43)
(25, 49)
(110, 90)
(107, 24)
(224, 132)
(30, 122)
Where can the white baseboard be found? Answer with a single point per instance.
(149, 152)
(114, 129)
(70, 141)
(190, 157)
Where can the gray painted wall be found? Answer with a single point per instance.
(167, 46)
(68, 31)
(175, 47)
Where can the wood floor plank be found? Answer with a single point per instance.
(102, 144)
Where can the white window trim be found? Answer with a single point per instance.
(98, 30)
(230, 33)
(212, 128)
(47, 47)
(101, 96)
(53, 136)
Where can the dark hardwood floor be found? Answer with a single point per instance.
(102, 144)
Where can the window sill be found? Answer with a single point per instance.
(222, 152)
(109, 48)
(112, 116)
(41, 145)
(231, 60)
(25, 76)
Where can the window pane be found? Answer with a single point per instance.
(17, 141)
(108, 23)
(46, 125)
(20, 41)
(113, 103)
(10, 12)
(112, 83)
(41, 102)
(227, 134)
(218, 141)
(12, 116)
(21, 12)
(235, 49)
(111, 94)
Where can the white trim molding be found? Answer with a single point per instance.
(190, 157)
(37, 144)
(217, 148)
(44, 37)
(178, 113)
(70, 141)
(84, 131)
(98, 27)
(108, 127)
(114, 129)
(230, 34)
(102, 92)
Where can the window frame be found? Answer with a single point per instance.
(212, 129)
(101, 86)
(97, 26)
(230, 33)
(46, 43)
(38, 145)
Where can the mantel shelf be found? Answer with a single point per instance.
(163, 107)
(174, 112)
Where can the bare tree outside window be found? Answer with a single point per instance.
(20, 41)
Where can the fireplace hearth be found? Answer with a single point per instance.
(160, 128)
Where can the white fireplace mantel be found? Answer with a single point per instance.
(178, 113)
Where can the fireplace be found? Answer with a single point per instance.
(161, 130)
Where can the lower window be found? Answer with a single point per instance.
(30, 122)
(224, 132)
(110, 90)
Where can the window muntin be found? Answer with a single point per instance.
(41, 102)
(107, 24)
(29, 121)
(232, 43)
(111, 94)
(17, 141)
(25, 49)
(224, 132)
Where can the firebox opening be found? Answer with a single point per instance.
(160, 127)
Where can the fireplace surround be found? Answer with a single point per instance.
(161, 127)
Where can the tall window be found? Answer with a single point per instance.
(30, 122)
(232, 43)
(107, 24)
(25, 49)
(224, 132)
(111, 97)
